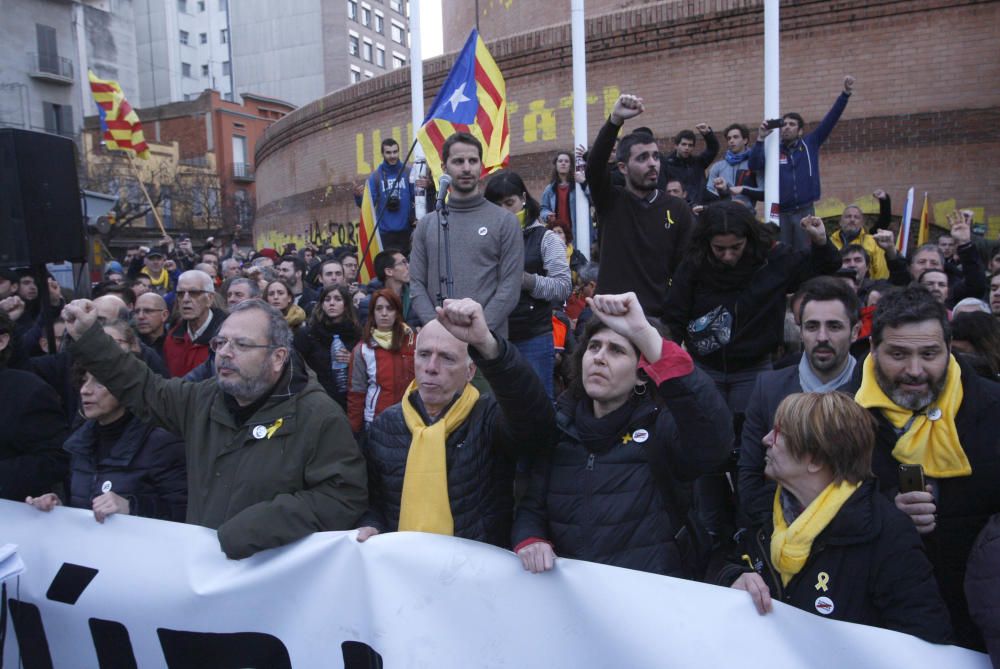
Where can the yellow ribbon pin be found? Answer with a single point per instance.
(821, 580)
(670, 219)
(271, 429)
(627, 437)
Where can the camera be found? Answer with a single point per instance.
(392, 202)
(774, 123)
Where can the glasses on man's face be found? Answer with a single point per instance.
(190, 293)
(238, 346)
(404, 261)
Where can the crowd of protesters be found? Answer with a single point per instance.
(801, 412)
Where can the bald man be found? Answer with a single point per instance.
(151, 315)
(468, 492)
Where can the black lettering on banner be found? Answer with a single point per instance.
(239, 650)
(358, 655)
(30, 633)
(70, 582)
(112, 643)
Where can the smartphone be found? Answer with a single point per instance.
(911, 478)
(774, 123)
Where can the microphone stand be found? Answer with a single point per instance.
(448, 279)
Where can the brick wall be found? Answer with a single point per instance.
(925, 112)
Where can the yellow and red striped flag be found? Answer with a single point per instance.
(924, 232)
(473, 99)
(369, 238)
(119, 122)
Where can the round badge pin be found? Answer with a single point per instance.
(824, 605)
(934, 414)
(483, 231)
(639, 436)
(106, 486)
(259, 432)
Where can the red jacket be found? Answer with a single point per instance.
(378, 380)
(180, 354)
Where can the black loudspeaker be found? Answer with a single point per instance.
(40, 216)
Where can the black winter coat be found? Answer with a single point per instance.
(964, 504)
(145, 466)
(982, 586)
(313, 344)
(517, 419)
(32, 460)
(868, 566)
(758, 309)
(604, 500)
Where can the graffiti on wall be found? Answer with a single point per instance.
(984, 223)
(539, 122)
(320, 235)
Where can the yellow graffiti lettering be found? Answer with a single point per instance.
(512, 107)
(376, 147)
(363, 167)
(567, 102)
(539, 119)
(611, 94)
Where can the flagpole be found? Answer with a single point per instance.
(156, 214)
(579, 39)
(772, 80)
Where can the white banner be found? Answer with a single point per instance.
(165, 594)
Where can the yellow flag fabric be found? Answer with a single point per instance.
(120, 123)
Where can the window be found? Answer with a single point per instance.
(203, 38)
(201, 5)
(224, 36)
(185, 69)
(48, 52)
(184, 37)
(366, 16)
(379, 23)
(398, 61)
(353, 45)
(397, 33)
(58, 118)
(182, 6)
(227, 69)
(352, 10)
(355, 75)
(366, 51)
(204, 70)
(380, 56)
(397, 5)
(223, 5)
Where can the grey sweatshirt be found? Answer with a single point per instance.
(487, 260)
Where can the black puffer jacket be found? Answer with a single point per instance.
(313, 344)
(867, 566)
(145, 466)
(757, 309)
(32, 460)
(602, 499)
(517, 419)
(982, 586)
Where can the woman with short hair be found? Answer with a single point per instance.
(835, 546)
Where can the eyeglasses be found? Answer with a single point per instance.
(189, 293)
(237, 345)
(404, 261)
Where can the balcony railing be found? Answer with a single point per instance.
(51, 67)
(243, 172)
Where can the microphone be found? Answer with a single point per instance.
(443, 183)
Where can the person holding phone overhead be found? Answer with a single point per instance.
(834, 546)
(934, 411)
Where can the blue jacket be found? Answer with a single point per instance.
(381, 182)
(549, 200)
(798, 175)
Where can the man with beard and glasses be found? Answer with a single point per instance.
(270, 457)
(830, 316)
(643, 230)
(934, 411)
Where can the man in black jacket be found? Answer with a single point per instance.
(831, 319)
(683, 165)
(442, 460)
(643, 231)
(933, 411)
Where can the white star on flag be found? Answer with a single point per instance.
(457, 97)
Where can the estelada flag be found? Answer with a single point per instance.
(370, 240)
(119, 122)
(924, 233)
(473, 99)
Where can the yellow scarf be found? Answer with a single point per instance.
(932, 444)
(296, 316)
(424, 506)
(383, 338)
(790, 545)
(158, 283)
(521, 215)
